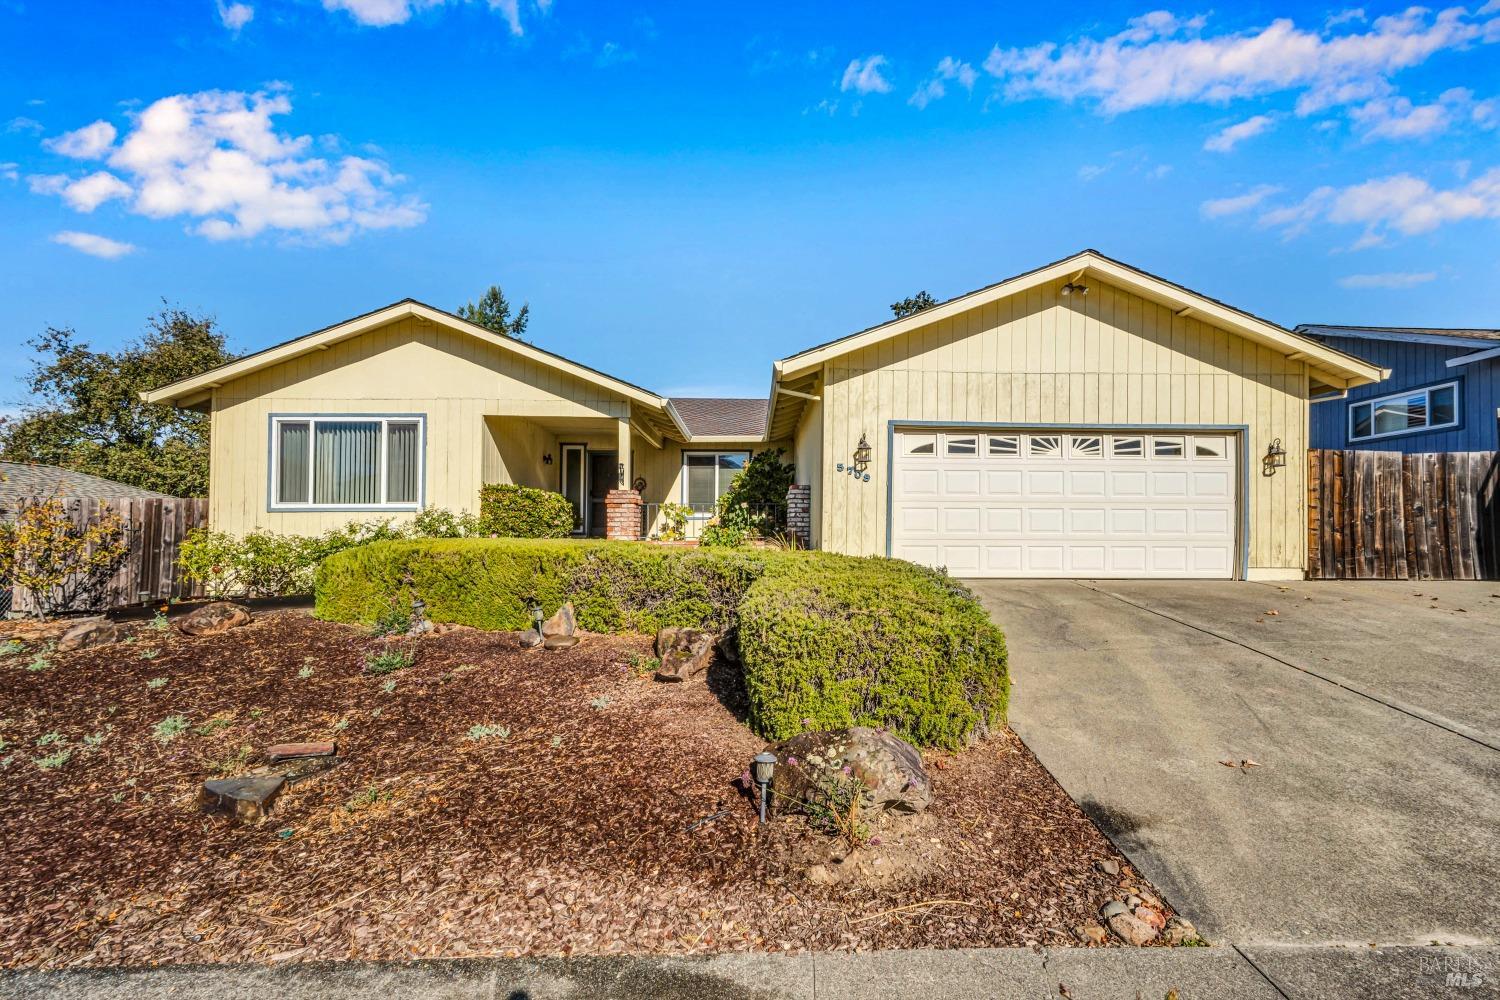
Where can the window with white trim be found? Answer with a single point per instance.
(706, 476)
(1427, 409)
(347, 462)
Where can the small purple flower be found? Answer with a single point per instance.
(848, 770)
(791, 760)
(874, 841)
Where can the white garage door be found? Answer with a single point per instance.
(1066, 504)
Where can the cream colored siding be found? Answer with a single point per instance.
(809, 456)
(1110, 357)
(470, 392)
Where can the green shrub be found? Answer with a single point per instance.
(488, 583)
(436, 522)
(524, 512)
(266, 564)
(836, 640)
(756, 498)
(724, 533)
(388, 661)
(829, 642)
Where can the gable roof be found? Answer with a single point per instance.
(707, 417)
(20, 481)
(1450, 336)
(194, 391)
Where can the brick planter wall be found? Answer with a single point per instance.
(622, 515)
(799, 514)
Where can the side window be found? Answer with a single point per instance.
(1046, 446)
(1167, 447)
(920, 444)
(1088, 446)
(961, 445)
(1127, 447)
(1208, 447)
(1005, 446)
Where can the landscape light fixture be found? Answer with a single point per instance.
(535, 607)
(762, 768)
(862, 454)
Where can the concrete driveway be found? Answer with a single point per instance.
(1372, 709)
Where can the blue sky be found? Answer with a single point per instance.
(683, 192)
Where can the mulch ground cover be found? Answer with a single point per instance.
(608, 819)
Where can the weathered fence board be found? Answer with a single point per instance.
(1384, 515)
(155, 530)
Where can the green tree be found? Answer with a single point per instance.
(913, 304)
(86, 412)
(492, 312)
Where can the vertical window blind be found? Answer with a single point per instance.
(357, 462)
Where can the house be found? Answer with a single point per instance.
(22, 481)
(1082, 419)
(1443, 393)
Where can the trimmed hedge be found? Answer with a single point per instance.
(487, 582)
(871, 642)
(523, 512)
(833, 639)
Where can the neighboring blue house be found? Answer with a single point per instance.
(1443, 393)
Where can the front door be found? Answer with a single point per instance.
(603, 475)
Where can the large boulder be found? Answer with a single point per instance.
(213, 619)
(684, 652)
(562, 623)
(889, 767)
(88, 634)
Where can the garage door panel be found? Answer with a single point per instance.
(1061, 504)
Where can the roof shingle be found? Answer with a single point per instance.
(19, 481)
(710, 417)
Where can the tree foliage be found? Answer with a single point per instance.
(492, 312)
(913, 304)
(87, 415)
(66, 567)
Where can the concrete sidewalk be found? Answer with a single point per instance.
(1219, 973)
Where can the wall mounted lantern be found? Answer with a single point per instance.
(1275, 458)
(862, 454)
(547, 458)
(762, 768)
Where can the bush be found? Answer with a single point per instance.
(829, 642)
(723, 533)
(266, 564)
(510, 511)
(65, 567)
(489, 583)
(833, 639)
(436, 522)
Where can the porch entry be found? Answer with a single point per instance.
(586, 478)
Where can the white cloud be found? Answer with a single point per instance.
(1162, 59)
(1344, 17)
(863, 76)
(1235, 204)
(93, 244)
(87, 143)
(936, 86)
(10, 171)
(1388, 279)
(1159, 171)
(384, 13)
(235, 16)
(1397, 205)
(215, 157)
(1090, 171)
(1227, 138)
(24, 124)
(1399, 118)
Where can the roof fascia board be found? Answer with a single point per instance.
(1436, 339)
(1469, 359)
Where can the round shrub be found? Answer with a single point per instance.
(511, 511)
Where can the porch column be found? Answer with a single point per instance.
(622, 505)
(799, 514)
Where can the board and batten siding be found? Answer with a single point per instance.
(1110, 357)
(1414, 366)
(406, 367)
(808, 453)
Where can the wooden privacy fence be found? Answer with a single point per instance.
(1382, 515)
(154, 529)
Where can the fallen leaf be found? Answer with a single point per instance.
(1273, 612)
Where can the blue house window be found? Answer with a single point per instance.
(1428, 409)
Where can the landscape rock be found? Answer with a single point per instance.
(531, 638)
(1113, 908)
(1109, 867)
(1091, 934)
(684, 652)
(560, 642)
(248, 798)
(213, 619)
(821, 875)
(729, 649)
(294, 751)
(1179, 931)
(1132, 930)
(89, 634)
(1147, 915)
(562, 623)
(889, 767)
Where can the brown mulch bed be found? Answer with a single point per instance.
(570, 836)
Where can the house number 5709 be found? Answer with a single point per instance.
(849, 470)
